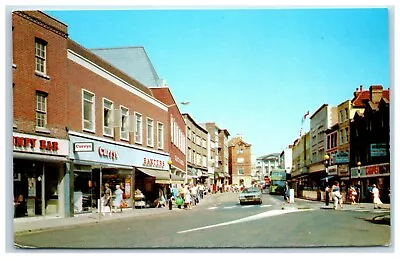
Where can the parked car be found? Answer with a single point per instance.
(250, 195)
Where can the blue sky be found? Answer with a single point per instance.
(254, 72)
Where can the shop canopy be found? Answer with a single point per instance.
(162, 176)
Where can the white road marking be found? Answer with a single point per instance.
(212, 208)
(230, 207)
(265, 206)
(247, 219)
(249, 206)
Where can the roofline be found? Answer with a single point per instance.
(192, 120)
(319, 109)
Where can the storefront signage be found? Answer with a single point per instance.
(333, 170)
(83, 146)
(180, 161)
(343, 170)
(153, 163)
(342, 157)
(107, 153)
(378, 149)
(31, 143)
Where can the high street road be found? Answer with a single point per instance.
(222, 223)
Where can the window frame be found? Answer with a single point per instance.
(41, 42)
(93, 111)
(40, 111)
(160, 138)
(138, 127)
(147, 132)
(111, 120)
(127, 127)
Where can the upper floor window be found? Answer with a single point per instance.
(108, 118)
(124, 123)
(160, 135)
(240, 171)
(40, 55)
(41, 109)
(240, 151)
(150, 132)
(138, 130)
(346, 113)
(88, 99)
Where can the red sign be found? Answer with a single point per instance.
(30, 142)
(153, 163)
(108, 153)
(371, 170)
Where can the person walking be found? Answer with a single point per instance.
(118, 198)
(201, 190)
(376, 197)
(286, 195)
(337, 197)
(107, 197)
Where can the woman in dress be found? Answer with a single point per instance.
(118, 197)
(337, 197)
(377, 200)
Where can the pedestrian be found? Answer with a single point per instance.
(337, 197)
(286, 195)
(118, 198)
(377, 200)
(188, 199)
(107, 197)
(353, 195)
(201, 190)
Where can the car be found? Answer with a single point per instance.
(250, 195)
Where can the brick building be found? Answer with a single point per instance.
(240, 161)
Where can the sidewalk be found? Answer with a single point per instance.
(35, 224)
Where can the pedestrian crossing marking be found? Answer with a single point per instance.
(248, 206)
(230, 207)
(212, 207)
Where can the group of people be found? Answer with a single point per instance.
(189, 195)
(354, 194)
(113, 200)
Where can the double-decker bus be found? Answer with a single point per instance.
(278, 178)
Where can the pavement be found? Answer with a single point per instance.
(46, 223)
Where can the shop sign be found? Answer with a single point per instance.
(343, 170)
(342, 157)
(179, 160)
(378, 149)
(107, 153)
(153, 163)
(333, 170)
(83, 146)
(25, 142)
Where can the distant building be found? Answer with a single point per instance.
(265, 164)
(240, 162)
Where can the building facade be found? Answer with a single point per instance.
(41, 176)
(223, 158)
(240, 162)
(197, 152)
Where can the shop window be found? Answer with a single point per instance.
(88, 111)
(108, 118)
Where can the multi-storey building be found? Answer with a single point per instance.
(331, 149)
(196, 155)
(286, 160)
(212, 147)
(322, 119)
(265, 164)
(240, 161)
(177, 131)
(370, 144)
(41, 176)
(223, 157)
(301, 160)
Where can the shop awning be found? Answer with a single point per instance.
(39, 157)
(162, 176)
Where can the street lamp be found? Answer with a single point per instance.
(326, 158)
(170, 186)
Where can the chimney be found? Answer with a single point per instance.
(375, 93)
(360, 88)
(356, 93)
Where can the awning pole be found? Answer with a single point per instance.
(101, 182)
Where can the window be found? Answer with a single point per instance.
(240, 151)
(240, 160)
(88, 111)
(41, 109)
(124, 123)
(107, 118)
(240, 171)
(40, 56)
(346, 113)
(150, 132)
(138, 130)
(346, 138)
(172, 129)
(329, 142)
(160, 135)
(204, 161)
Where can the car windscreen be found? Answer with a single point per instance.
(250, 190)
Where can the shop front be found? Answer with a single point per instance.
(40, 176)
(366, 176)
(96, 161)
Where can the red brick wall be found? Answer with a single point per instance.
(81, 78)
(25, 29)
(165, 96)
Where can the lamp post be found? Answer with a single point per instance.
(170, 186)
(326, 158)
